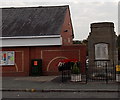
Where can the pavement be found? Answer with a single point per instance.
(54, 84)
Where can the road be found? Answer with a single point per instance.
(10, 94)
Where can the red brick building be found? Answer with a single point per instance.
(44, 33)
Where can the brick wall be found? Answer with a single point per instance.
(67, 30)
(50, 57)
(21, 67)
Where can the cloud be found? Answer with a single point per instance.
(86, 13)
(12, 4)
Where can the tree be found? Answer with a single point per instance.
(77, 42)
(85, 41)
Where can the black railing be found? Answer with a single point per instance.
(67, 69)
(101, 71)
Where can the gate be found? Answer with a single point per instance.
(102, 70)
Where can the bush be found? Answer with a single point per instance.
(75, 69)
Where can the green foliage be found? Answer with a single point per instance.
(80, 42)
(85, 42)
(75, 69)
(77, 42)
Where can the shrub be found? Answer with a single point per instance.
(75, 69)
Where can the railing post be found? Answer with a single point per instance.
(62, 75)
(106, 73)
(114, 68)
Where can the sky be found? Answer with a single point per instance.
(83, 12)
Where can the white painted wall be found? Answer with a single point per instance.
(33, 41)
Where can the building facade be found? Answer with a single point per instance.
(43, 33)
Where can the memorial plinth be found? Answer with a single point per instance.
(102, 48)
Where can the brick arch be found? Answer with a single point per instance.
(54, 60)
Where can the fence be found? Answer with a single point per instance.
(68, 69)
(101, 71)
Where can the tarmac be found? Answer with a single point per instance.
(54, 84)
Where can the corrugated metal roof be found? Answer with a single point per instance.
(32, 21)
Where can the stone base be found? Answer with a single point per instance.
(117, 77)
(76, 77)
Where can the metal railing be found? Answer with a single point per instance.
(99, 72)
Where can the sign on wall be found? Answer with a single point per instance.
(6, 57)
(117, 68)
(101, 51)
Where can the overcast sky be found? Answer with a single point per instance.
(83, 12)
